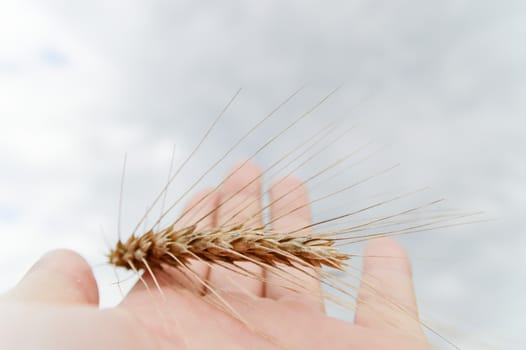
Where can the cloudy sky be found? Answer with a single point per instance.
(439, 87)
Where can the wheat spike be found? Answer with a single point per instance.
(227, 244)
(278, 252)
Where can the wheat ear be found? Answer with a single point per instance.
(276, 251)
(227, 244)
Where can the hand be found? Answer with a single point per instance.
(55, 304)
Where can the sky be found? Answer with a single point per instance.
(437, 87)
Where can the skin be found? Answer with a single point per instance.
(55, 306)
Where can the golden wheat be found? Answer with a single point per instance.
(174, 247)
(300, 248)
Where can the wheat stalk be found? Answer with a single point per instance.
(278, 251)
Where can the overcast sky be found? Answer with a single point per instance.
(441, 86)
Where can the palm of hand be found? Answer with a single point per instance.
(188, 321)
(258, 316)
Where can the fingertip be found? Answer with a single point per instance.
(79, 272)
(289, 183)
(240, 195)
(243, 179)
(246, 166)
(202, 195)
(386, 244)
(290, 200)
(286, 182)
(387, 254)
(60, 276)
(200, 208)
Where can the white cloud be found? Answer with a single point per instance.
(83, 83)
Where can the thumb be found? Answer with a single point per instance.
(59, 277)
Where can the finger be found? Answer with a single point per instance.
(386, 298)
(59, 277)
(201, 206)
(290, 207)
(244, 199)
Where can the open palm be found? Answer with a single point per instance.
(55, 305)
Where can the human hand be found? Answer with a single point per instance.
(55, 305)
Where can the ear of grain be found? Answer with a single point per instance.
(306, 249)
